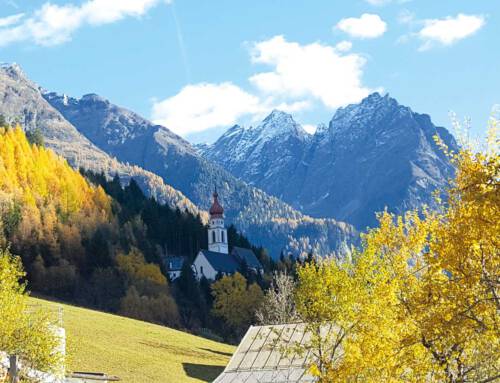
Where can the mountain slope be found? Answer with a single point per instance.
(137, 351)
(133, 139)
(373, 155)
(21, 100)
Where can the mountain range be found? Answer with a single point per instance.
(94, 134)
(373, 155)
(284, 188)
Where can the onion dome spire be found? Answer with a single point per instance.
(216, 210)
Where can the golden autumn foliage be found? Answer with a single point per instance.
(235, 301)
(70, 238)
(148, 296)
(25, 332)
(47, 211)
(420, 300)
(37, 177)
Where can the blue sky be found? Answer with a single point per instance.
(200, 66)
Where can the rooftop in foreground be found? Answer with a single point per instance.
(262, 357)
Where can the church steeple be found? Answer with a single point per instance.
(217, 233)
(216, 210)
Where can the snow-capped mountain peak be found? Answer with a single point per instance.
(278, 123)
(373, 154)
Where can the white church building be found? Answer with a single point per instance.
(217, 260)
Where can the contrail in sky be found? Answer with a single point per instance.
(182, 45)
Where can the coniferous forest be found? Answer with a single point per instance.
(92, 241)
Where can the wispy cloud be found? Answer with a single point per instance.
(11, 3)
(367, 26)
(406, 17)
(449, 30)
(299, 77)
(54, 24)
(181, 43)
(10, 20)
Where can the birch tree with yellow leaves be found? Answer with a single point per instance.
(27, 334)
(420, 300)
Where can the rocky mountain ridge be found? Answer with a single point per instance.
(372, 155)
(22, 101)
(93, 133)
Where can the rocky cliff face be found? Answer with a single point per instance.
(372, 155)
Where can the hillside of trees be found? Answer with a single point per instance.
(89, 240)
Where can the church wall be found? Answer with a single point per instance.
(202, 262)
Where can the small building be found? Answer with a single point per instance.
(174, 266)
(262, 356)
(217, 260)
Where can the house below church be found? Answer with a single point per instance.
(173, 266)
(217, 260)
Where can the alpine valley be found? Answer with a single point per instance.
(285, 189)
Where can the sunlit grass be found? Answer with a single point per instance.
(137, 351)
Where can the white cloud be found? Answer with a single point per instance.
(10, 20)
(308, 71)
(310, 128)
(449, 30)
(343, 46)
(368, 26)
(203, 106)
(54, 24)
(300, 77)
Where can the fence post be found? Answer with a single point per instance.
(13, 369)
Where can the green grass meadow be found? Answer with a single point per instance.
(136, 351)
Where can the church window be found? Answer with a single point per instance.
(222, 235)
(213, 237)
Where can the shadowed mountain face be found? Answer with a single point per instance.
(21, 100)
(135, 140)
(129, 137)
(373, 155)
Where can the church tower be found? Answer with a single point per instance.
(217, 233)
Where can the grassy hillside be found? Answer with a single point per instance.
(137, 351)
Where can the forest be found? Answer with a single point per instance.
(92, 241)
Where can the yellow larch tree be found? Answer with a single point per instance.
(420, 300)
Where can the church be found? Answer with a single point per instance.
(217, 260)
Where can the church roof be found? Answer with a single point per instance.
(248, 256)
(174, 263)
(224, 263)
(216, 209)
(262, 356)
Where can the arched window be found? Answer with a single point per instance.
(213, 237)
(222, 237)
